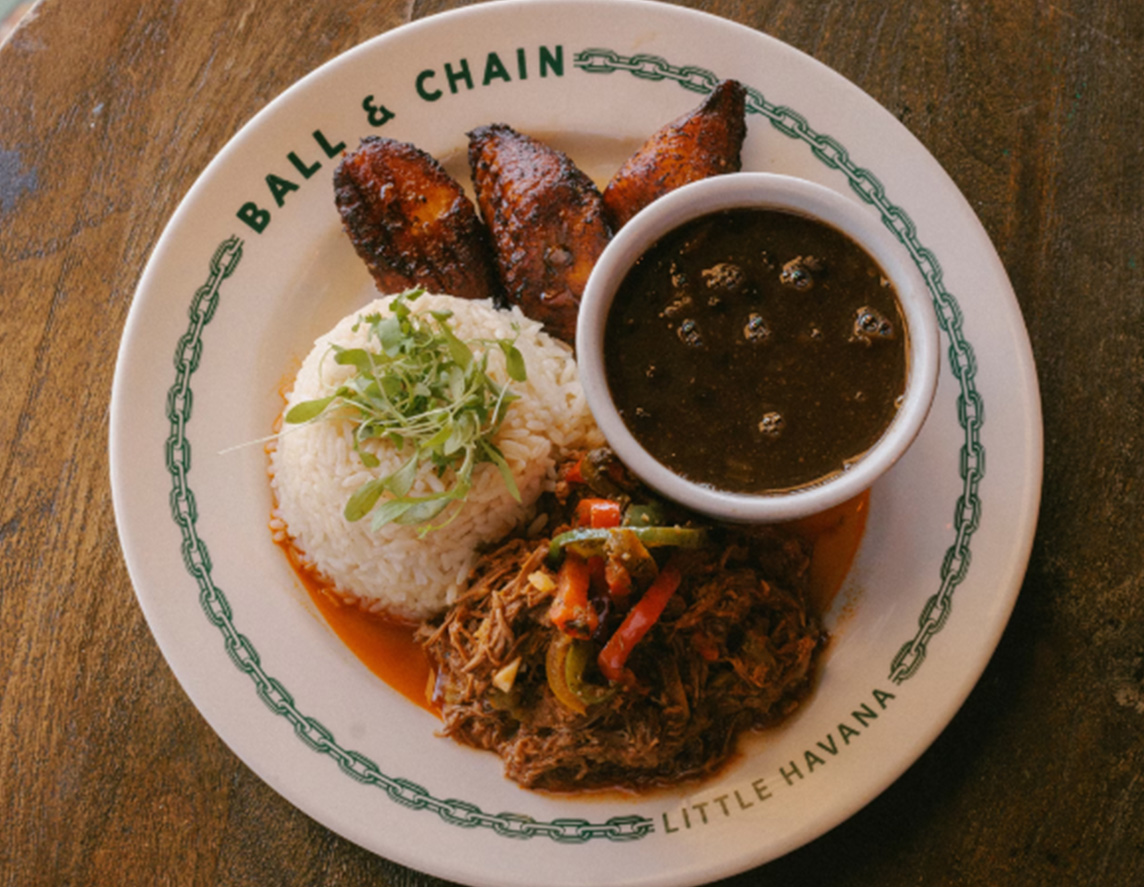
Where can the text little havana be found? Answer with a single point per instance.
(704, 811)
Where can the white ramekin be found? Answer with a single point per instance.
(801, 197)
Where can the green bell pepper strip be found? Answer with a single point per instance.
(590, 542)
(576, 659)
(649, 515)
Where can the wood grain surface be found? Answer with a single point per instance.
(108, 113)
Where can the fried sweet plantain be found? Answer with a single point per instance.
(411, 222)
(704, 142)
(546, 218)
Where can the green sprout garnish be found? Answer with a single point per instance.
(424, 389)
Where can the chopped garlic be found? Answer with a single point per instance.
(506, 677)
(541, 581)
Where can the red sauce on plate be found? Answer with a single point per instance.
(385, 646)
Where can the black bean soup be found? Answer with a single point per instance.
(756, 350)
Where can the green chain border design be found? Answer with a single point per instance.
(196, 558)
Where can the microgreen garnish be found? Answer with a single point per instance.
(426, 391)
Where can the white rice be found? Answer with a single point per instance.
(394, 569)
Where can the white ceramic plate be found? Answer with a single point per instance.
(224, 310)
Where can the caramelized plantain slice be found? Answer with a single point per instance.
(547, 223)
(411, 222)
(704, 142)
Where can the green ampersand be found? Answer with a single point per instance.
(378, 115)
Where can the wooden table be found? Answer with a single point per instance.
(109, 112)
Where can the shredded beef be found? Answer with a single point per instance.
(733, 651)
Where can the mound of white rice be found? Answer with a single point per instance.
(394, 569)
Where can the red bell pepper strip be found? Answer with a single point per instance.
(570, 610)
(598, 513)
(574, 473)
(618, 580)
(638, 621)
